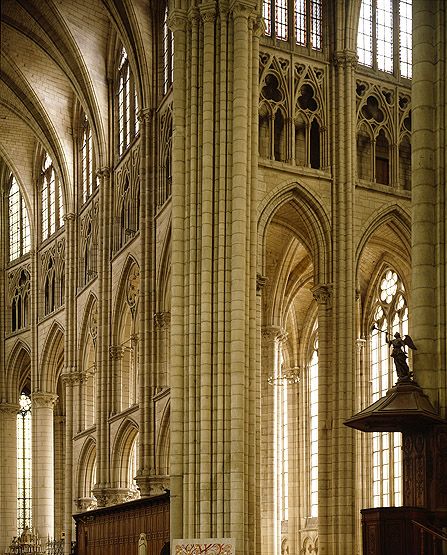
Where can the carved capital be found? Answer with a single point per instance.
(322, 294)
(43, 400)
(274, 333)
(145, 115)
(260, 283)
(71, 216)
(208, 12)
(345, 59)
(113, 496)
(9, 409)
(85, 504)
(162, 319)
(152, 485)
(177, 20)
(243, 8)
(70, 378)
(103, 173)
(116, 352)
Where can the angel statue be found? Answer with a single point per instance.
(399, 355)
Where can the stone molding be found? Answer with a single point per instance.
(274, 333)
(85, 503)
(152, 485)
(360, 344)
(162, 319)
(261, 282)
(113, 496)
(116, 352)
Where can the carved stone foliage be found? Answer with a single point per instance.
(88, 244)
(52, 264)
(292, 116)
(310, 545)
(383, 134)
(127, 199)
(19, 287)
(165, 156)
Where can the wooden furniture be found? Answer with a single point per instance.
(115, 530)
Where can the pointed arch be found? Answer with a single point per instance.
(120, 300)
(311, 225)
(121, 452)
(163, 442)
(52, 359)
(18, 370)
(164, 274)
(86, 469)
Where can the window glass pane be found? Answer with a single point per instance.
(316, 18)
(300, 22)
(24, 464)
(14, 220)
(281, 14)
(364, 35)
(384, 30)
(267, 14)
(405, 33)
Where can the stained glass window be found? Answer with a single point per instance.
(87, 165)
(168, 54)
(24, 466)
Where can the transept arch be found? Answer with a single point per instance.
(311, 224)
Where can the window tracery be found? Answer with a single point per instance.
(53, 276)
(307, 17)
(384, 36)
(127, 200)
(19, 293)
(88, 244)
(165, 175)
(389, 314)
(127, 103)
(52, 206)
(19, 228)
(292, 118)
(383, 135)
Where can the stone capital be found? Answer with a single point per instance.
(360, 344)
(70, 378)
(145, 115)
(345, 58)
(243, 8)
(274, 333)
(152, 485)
(70, 216)
(85, 504)
(116, 352)
(322, 294)
(43, 400)
(162, 319)
(177, 20)
(208, 12)
(260, 283)
(9, 409)
(113, 496)
(103, 173)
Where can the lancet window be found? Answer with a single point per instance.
(168, 54)
(296, 20)
(127, 104)
(384, 36)
(24, 464)
(53, 277)
(88, 244)
(86, 161)
(19, 228)
(312, 379)
(165, 176)
(52, 206)
(389, 315)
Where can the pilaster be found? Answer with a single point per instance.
(8, 473)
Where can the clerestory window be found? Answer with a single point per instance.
(52, 206)
(19, 228)
(168, 54)
(86, 161)
(384, 36)
(127, 104)
(296, 20)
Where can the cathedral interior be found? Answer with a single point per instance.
(215, 215)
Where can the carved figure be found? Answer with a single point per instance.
(398, 354)
(142, 544)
